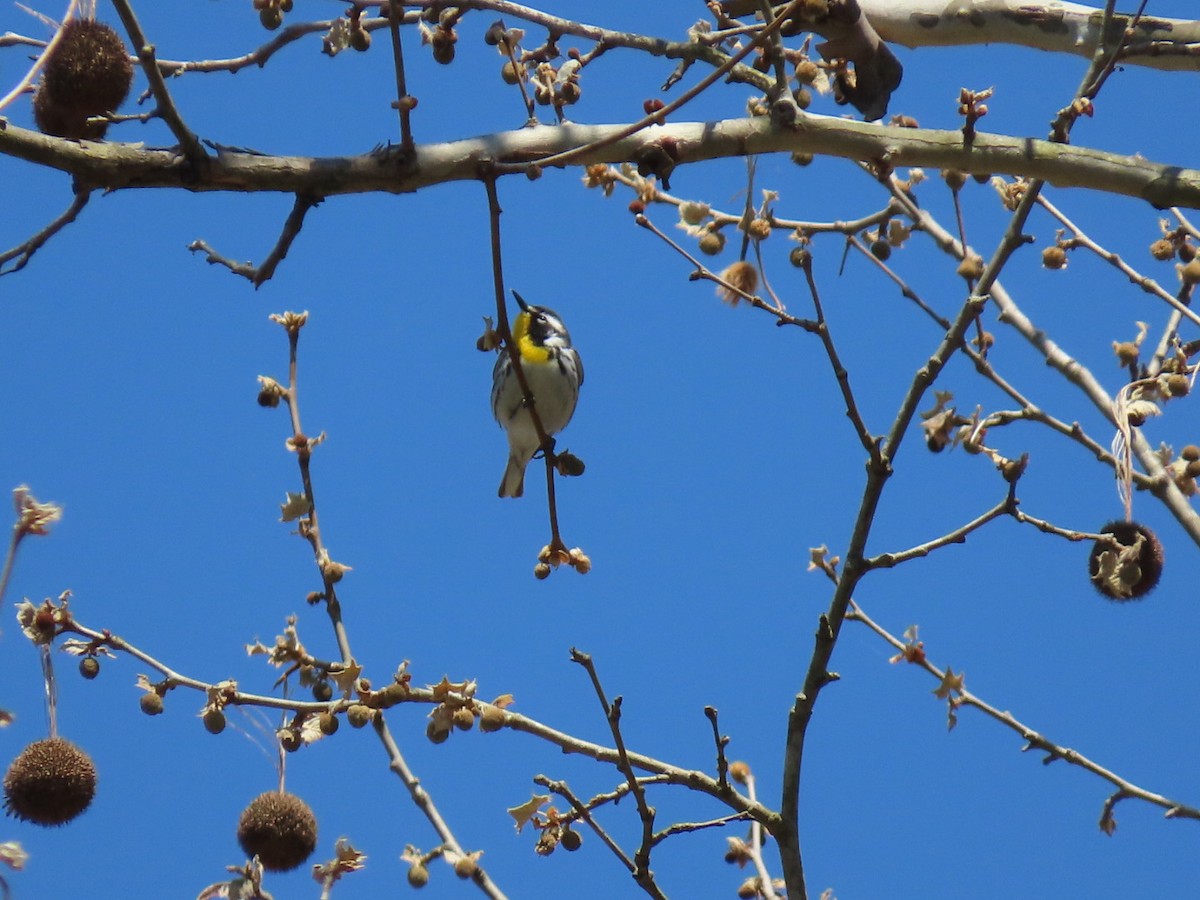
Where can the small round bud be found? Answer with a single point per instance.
(463, 718)
(801, 158)
(328, 723)
(693, 213)
(443, 42)
(151, 703)
(881, 250)
(1179, 385)
(359, 715)
(759, 229)
(541, 571)
(800, 257)
(290, 741)
(803, 97)
(1193, 469)
(268, 399)
(418, 875)
(971, 266)
(360, 39)
(437, 732)
(569, 92)
(322, 691)
(1186, 251)
(807, 71)
(491, 718)
(1162, 249)
(739, 771)
(653, 105)
(271, 17)
(571, 840)
(1189, 273)
(748, 889)
(712, 243)
(1127, 352)
(1054, 257)
(1191, 453)
(495, 34)
(214, 721)
(89, 667)
(954, 179)
(465, 867)
(510, 73)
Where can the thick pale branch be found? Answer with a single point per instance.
(114, 166)
(1058, 27)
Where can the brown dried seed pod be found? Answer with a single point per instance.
(280, 829)
(88, 74)
(50, 782)
(1120, 574)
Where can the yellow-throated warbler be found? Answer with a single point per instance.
(554, 373)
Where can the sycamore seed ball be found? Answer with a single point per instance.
(88, 74)
(1120, 578)
(50, 783)
(280, 829)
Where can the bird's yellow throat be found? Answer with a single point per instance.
(530, 352)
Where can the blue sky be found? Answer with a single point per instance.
(717, 454)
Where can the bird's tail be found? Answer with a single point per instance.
(513, 482)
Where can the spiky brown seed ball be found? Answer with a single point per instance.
(1135, 580)
(280, 829)
(50, 782)
(88, 74)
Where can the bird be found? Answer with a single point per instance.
(554, 372)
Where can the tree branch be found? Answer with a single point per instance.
(114, 166)
(1059, 27)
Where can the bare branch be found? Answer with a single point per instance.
(146, 54)
(115, 166)
(1060, 27)
(23, 252)
(261, 273)
(1033, 739)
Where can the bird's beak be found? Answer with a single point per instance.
(521, 302)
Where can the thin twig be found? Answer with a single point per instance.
(258, 275)
(27, 79)
(1034, 740)
(719, 740)
(584, 813)
(404, 103)
(688, 827)
(702, 272)
(23, 252)
(424, 802)
(660, 115)
(189, 144)
(956, 536)
(869, 442)
(1149, 285)
(612, 712)
(530, 402)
